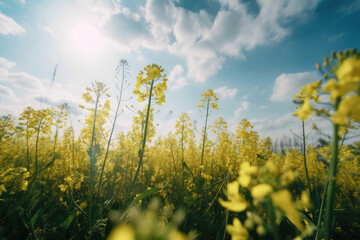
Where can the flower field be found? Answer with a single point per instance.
(104, 184)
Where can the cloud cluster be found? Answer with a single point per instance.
(20, 89)
(9, 26)
(177, 78)
(6, 63)
(288, 84)
(226, 92)
(203, 39)
(244, 107)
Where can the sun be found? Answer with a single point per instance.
(87, 38)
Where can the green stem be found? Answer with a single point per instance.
(274, 228)
(329, 214)
(92, 163)
(142, 149)
(112, 131)
(321, 210)
(304, 153)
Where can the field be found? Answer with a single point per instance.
(101, 183)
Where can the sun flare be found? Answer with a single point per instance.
(87, 38)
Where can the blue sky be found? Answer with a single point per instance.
(254, 54)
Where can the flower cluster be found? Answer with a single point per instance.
(209, 99)
(341, 81)
(263, 193)
(147, 78)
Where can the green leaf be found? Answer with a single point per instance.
(188, 169)
(35, 216)
(145, 194)
(65, 224)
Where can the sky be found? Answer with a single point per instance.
(255, 55)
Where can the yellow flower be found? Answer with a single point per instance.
(123, 232)
(348, 107)
(176, 235)
(337, 89)
(237, 230)
(305, 199)
(246, 168)
(244, 180)
(305, 111)
(311, 89)
(283, 200)
(349, 71)
(261, 190)
(244, 174)
(236, 202)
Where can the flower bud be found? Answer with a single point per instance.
(333, 54)
(339, 57)
(249, 224)
(326, 61)
(260, 230)
(317, 65)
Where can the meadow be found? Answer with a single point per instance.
(106, 184)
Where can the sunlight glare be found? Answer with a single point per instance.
(87, 38)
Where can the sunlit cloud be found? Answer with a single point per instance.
(226, 92)
(9, 26)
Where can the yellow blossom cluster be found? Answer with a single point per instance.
(341, 82)
(267, 186)
(147, 78)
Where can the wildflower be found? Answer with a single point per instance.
(305, 199)
(176, 235)
(237, 230)
(245, 174)
(261, 190)
(311, 89)
(260, 230)
(305, 111)
(123, 232)
(236, 202)
(349, 71)
(283, 200)
(153, 74)
(337, 89)
(348, 107)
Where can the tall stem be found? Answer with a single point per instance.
(112, 130)
(92, 156)
(329, 214)
(304, 153)
(204, 137)
(142, 149)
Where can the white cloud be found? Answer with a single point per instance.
(246, 96)
(176, 77)
(237, 112)
(6, 92)
(226, 92)
(244, 107)
(9, 26)
(204, 40)
(288, 84)
(50, 30)
(6, 63)
(30, 90)
(20, 79)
